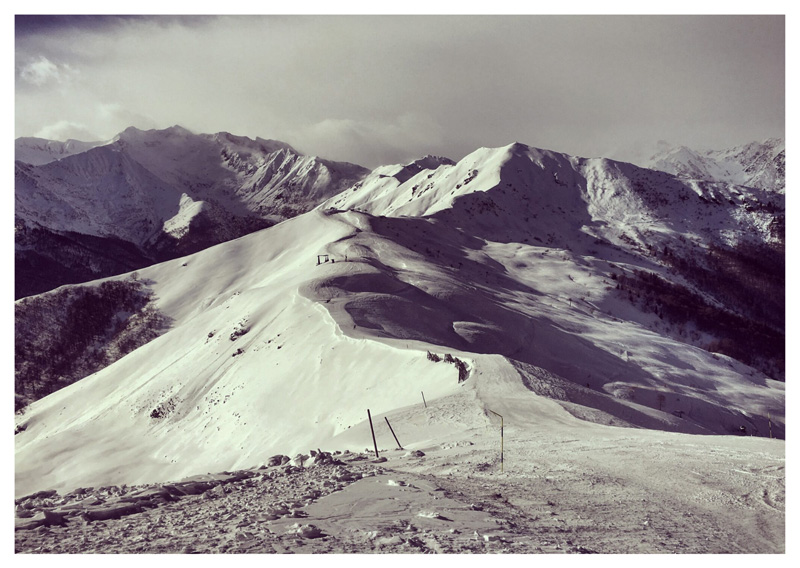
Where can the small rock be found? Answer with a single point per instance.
(278, 459)
(306, 531)
(52, 518)
(218, 491)
(22, 512)
(244, 535)
(429, 514)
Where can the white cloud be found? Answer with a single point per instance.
(386, 89)
(98, 121)
(42, 70)
(64, 130)
(377, 141)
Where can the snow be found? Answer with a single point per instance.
(134, 185)
(324, 343)
(39, 151)
(492, 260)
(759, 164)
(188, 210)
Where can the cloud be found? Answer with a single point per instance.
(64, 130)
(373, 89)
(100, 122)
(42, 70)
(113, 118)
(377, 141)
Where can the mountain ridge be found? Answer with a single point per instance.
(558, 291)
(756, 164)
(168, 192)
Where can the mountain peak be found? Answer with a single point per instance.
(173, 131)
(269, 145)
(517, 147)
(177, 129)
(431, 162)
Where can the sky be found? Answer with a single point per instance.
(388, 89)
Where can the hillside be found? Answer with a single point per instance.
(758, 164)
(40, 151)
(158, 194)
(399, 288)
(522, 282)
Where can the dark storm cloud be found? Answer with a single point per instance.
(33, 24)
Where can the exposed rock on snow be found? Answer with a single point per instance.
(278, 460)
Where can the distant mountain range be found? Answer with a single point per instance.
(88, 210)
(758, 164)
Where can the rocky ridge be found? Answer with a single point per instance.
(258, 510)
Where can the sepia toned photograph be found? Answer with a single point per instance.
(399, 284)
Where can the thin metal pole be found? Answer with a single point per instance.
(501, 437)
(393, 434)
(423, 399)
(373, 433)
(501, 444)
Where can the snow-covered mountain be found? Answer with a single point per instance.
(563, 293)
(758, 164)
(40, 151)
(165, 192)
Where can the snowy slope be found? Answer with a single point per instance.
(270, 352)
(141, 177)
(246, 176)
(40, 151)
(622, 433)
(292, 378)
(168, 192)
(758, 164)
(523, 194)
(101, 192)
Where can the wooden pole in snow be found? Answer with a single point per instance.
(501, 437)
(373, 433)
(423, 399)
(393, 434)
